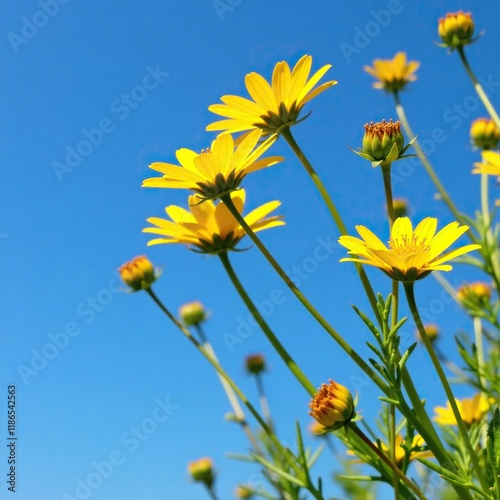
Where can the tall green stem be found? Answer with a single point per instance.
(410, 296)
(264, 405)
(226, 199)
(478, 340)
(290, 363)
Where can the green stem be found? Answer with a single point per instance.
(226, 199)
(396, 471)
(478, 87)
(264, 405)
(211, 492)
(410, 295)
(290, 363)
(287, 134)
(478, 337)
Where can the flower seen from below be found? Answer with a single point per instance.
(274, 106)
(456, 29)
(202, 471)
(471, 410)
(332, 406)
(484, 133)
(210, 227)
(192, 313)
(215, 171)
(412, 253)
(393, 74)
(490, 164)
(139, 273)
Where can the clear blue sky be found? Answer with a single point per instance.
(76, 69)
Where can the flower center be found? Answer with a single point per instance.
(404, 246)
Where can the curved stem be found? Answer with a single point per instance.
(287, 134)
(478, 87)
(410, 295)
(290, 363)
(226, 199)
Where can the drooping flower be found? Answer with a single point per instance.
(490, 165)
(255, 363)
(274, 106)
(332, 406)
(412, 253)
(471, 410)
(210, 227)
(393, 74)
(202, 471)
(215, 171)
(456, 29)
(484, 134)
(139, 273)
(192, 313)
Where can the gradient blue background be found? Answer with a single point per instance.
(62, 239)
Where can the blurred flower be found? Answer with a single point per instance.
(432, 331)
(243, 492)
(393, 74)
(477, 293)
(490, 165)
(316, 429)
(202, 471)
(484, 133)
(138, 273)
(471, 410)
(215, 171)
(273, 106)
(192, 313)
(255, 363)
(332, 406)
(456, 29)
(412, 253)
(400, 207)
(210, 227)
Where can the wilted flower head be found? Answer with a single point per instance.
(273, 107)
(490, 164)
(255, 363)
(332, 406)
(202, 471)
(412, 253)
(432, 331)
(471, 410)
(138, 273)
(456, 29)
(484, 133)
(192, 313)
(393, 74)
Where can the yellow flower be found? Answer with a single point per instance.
(484, 133)
(491, 165)
(202, 470)
(332, 406)
(471, 410)
(456, 29)
(412, 253)
(393, 74)
(243, 492)
(432, 331)
(138, 273)
(210, 227)
(215, 171)
(316, 429)
(400, 207)
(192, 313)
(274, 106)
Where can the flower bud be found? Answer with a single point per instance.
(332, 406)
(432, 331)
(138, 273)
(316, 429)
(379, 139)
(255, 363)
(192, 313)
(202, 471)
(478, 293)
(484, 134)
(400, 207)
(243, 493)
(456, 29)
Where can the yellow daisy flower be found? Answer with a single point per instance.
(215, 171)
(412, 253)
(393, 74)
(490, 165)
(273, 106)
(471, 410)
(210, 227)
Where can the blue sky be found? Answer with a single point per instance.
(134, 80)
